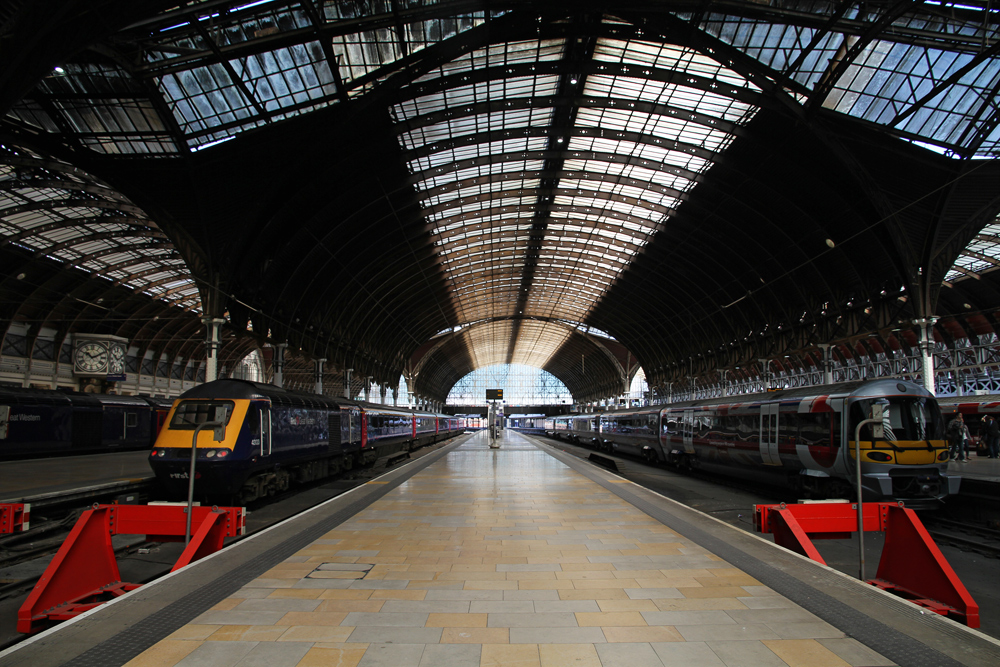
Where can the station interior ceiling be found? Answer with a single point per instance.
(423, 188)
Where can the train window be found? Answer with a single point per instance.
(190, 413)
(131, 420)
(813, 428)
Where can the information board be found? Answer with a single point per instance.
(494, 394)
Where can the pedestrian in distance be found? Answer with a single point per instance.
(993, 438)
(957, 431)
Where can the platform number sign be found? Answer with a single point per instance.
(494, 394)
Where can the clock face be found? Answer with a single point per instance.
(117, 364)
(91, 357)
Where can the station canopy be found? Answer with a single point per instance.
(429, 187)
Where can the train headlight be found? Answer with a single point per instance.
(879, 456)
(943, 456)
(161, 453)
(210, 453)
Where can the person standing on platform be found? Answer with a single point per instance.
(957, 431)
(993, 438)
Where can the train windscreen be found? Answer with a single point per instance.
(904, 418)
(190, 413)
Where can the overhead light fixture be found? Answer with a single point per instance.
(830, 243)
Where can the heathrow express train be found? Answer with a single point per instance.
(275, 437)
(42, 422)
(803, 438)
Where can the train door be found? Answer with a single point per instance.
(265, 431)
(687, 431)
(769, 435)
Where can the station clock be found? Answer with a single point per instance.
(91, 357)
(96, 355)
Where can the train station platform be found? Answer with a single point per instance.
(54, 476)
(980, 468)
(519, 556)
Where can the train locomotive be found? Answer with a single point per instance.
(275, 437)
(802, 438)
(43, 422)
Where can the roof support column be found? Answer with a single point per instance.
(827, 363)
(926, 325)
(318, 370)
(368, 389)
(383, 390)
(279, 364)
(765, 373)
(722, 382)
(347, 382)
(212, 325)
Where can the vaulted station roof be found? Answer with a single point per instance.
(428, 187)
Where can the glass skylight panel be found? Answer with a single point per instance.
(484, 91)
(204, 98)
(625, 208)
(640, 152)
(519, 144)
(663, 126)
(511, 53)
(889, 77)
(477, 124)
(479, 189)
(777, 45)
(667, 56)
(666, 200)
(657, 92)
(287, 77)
(447, 176)
(638, 173)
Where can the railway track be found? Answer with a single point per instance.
(965, 536)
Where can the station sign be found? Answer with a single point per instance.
(494, 394)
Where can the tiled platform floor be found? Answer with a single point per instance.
(505, 558)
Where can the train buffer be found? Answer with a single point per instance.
(84, 573)
(911, 565)
(14, 518)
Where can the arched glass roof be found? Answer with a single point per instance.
(980, 256)
(521, 385)
(52, 209)
(535, 205)
(547, 145)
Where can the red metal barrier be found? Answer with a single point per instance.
(911, 565)
(84, 573)
(14, 518)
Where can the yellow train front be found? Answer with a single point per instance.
(275, 438)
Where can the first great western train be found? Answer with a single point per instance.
(802, 438)
(274, 438)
